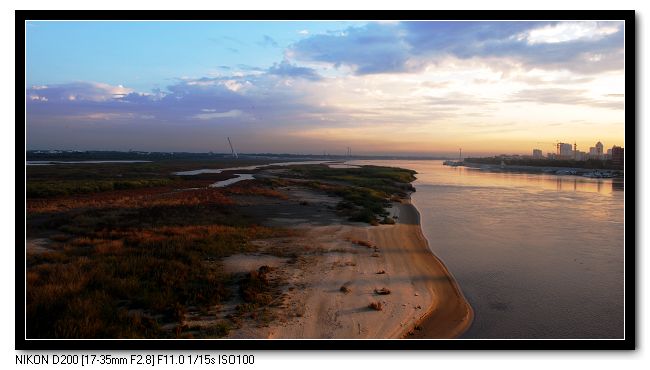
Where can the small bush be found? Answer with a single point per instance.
(377, 306)
(345, 289)
(218, 330)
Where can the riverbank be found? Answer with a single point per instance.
(450, 315)
(305, 251)
(577, 171)
(354, 263)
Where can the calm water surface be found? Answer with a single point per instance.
(537, 256)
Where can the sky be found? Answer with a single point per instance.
(396, 88)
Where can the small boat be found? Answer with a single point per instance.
(452, 163)
(457, 163)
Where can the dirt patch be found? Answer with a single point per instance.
(242, 263)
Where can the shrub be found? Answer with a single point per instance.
(256, 288)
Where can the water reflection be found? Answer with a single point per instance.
(433, 172)
(618, 184)
(536, 255)
(602, 186)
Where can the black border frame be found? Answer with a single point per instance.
(629, 343)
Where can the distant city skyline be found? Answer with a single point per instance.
(381, 88)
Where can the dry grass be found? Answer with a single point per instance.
(259, 292)
(254, 188)
(255, 287)
(130, 199)
(87, 287)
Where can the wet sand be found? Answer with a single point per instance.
(448, 313)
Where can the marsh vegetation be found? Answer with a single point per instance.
(128, 250)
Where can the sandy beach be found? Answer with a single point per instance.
(424, 300)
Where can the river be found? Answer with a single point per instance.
(537, 255)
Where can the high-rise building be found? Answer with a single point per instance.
(599, 150)
(581, 156)
(537, 154)
(564, 151)
(618, 156)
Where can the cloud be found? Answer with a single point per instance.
(91, 91)
(458, 99)
(583, 47)
(563, 96)
(248, 98)
(286, 69)
(375, 48)
(268, 41)
(211, 115)
(435, 84)
(562, 80)
(466, 76)
(569, 31)
(247, 68)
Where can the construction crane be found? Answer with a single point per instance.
(556, 145)
(232, 150)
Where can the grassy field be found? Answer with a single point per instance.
(365, 191)
(74, 179)
(129, 261)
